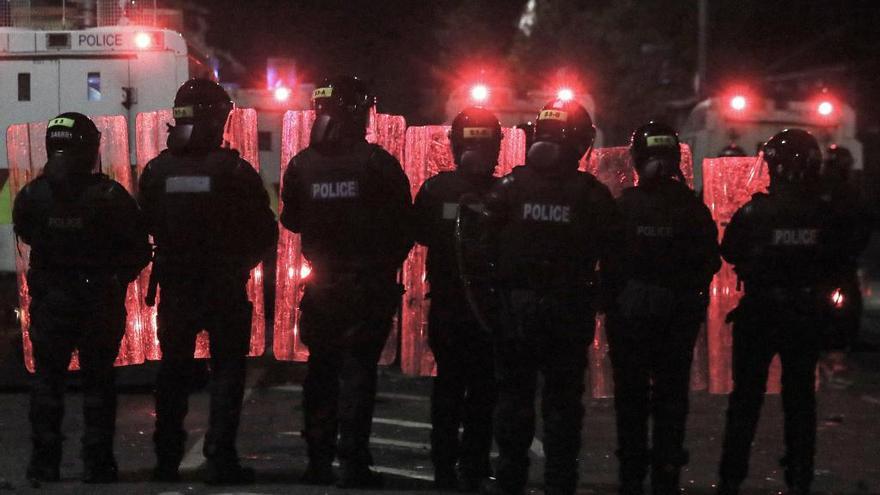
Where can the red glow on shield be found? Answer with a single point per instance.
(480, 93)
(305, 270)
(282, 93)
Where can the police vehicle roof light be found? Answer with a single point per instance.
(282, 93)
(825, 108)
(565, 94)
(738, 103)
(480, 93)
(143, 40)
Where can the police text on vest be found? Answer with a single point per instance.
(335, 190)
(795, 237)
(546, 213)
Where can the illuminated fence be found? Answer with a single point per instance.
(15, 13)
(133, 12)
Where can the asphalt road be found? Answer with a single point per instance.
(849, 436)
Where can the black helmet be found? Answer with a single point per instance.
(656, 151)
(342, 110)
(475, 137)
(201, 108)
(75, 136)
(838, 163)
(564, 133)
(566, 122)
(732, 150)
(793, 156)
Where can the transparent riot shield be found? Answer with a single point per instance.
(428, 153)
(728, 183)
(26, 153)
(292, 269)
(241, 135)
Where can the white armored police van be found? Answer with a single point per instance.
(748, 121)
(114, 70)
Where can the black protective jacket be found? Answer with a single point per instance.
(669, 238)
(353, 208)
(87, 225)
(436, 212)
(207, 209)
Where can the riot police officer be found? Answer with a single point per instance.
(550, 224)
(846, 202)
(351, 202)
(464, 388)
(786, 247)
(209, 215)
(87, 243)
(660, 279)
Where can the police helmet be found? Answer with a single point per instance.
(342, 109)
(475, 137)
(568, 123)
(838, 162)
(201, 108)
(793, 156)
(73, 135)
(656, 151)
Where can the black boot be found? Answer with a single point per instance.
(359, 476)
(665, 479)
(727, 488)
(445, 477)
(469, 477)
(319, 473)
(100, 472)
(492, 486)
(43, 466)
(228, 472)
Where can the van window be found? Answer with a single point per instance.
(24, 86)
(94, 86)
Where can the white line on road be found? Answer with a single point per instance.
(400, 443)
(400, 422)
(537, 447)
(194, 457)
(871, 400)
(405, 473)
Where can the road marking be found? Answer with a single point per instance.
(194, 457)
(400, 422)
(405, 473)
(871, 400)
(417, 398)
(537, 447)
(400, 443)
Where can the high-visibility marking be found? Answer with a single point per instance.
(322, 93)
(666, 141)
(553, 115)
(62, 122)
(188, 184)
(184, 112)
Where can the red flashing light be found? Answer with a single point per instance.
(565, 94)
(282, 93)
(143, 41)
(480, 93)
(825, 108)
(738, 103)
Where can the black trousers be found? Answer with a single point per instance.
(464, 389)
(651, 361)
(758, 335)
(345, 344)
(545, 334)
(61, 322)
(217, 303)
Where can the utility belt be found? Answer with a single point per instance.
(165, 266)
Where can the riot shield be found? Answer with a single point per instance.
(241, 135)
(728, 183)
(26, 153)
(292, 269)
